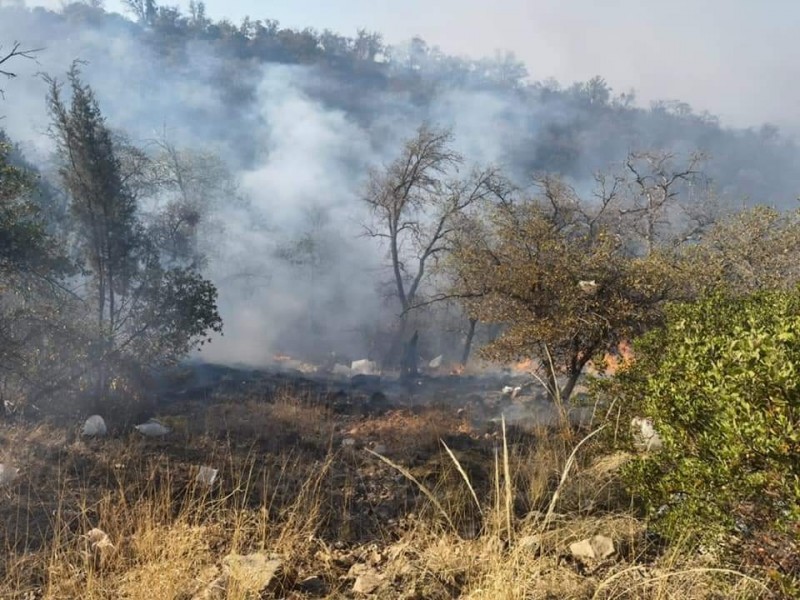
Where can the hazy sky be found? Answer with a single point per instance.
(735, 58)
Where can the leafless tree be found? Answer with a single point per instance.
(657, 194)
(16, 52)
(415, 202)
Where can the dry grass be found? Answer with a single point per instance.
(478, 517)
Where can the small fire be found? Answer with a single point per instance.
(618, 359)
(457, 369)
(281, 357)
(524, 366)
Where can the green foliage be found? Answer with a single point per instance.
(722, 384)
(146, 313)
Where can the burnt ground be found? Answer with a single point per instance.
(278, 438)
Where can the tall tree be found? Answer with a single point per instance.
(417, 202)
(144, 312)
(102, 204)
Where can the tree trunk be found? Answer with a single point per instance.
(468, 341)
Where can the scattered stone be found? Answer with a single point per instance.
(250, 575)
(341, 371)
(313, 585)
(94, 426)
(364, 367)
(511, 391)
(646, 437)
(598, 547)
(582, 550)
(603, 546)
(531, 542)
(152, 429)
(206, 476)
(99, 540)
(436, 362)
(367, 581)
(7, 474)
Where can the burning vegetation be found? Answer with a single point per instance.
(495, 385)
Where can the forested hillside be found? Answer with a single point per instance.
(250, 145)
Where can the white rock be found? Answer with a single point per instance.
(598, 547)
(94, 426)
(207, 475)
(603, 546)
(511, 391)
(348, 442)
(7, 474)
(436, 362)
(364, 367)
(588, 287)
(367, 582)
(645, 435)
(99, 540)
(252, 573)
(341, 370)
(152, 429)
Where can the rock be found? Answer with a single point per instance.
(152, 429)
(588, 287)
(646, 437)
(436, 362)
(582, 550)
(598, 547)
(364, 367)
(99, 540)
(206, 475)
(368, 581)
(313, 585)
(530, 542)
(348, 443)
(341, 371)
(603, 546)
(7, 474)
(94, 426)
(253, 574)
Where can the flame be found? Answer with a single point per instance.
(523, 366)
(614, 361)
(457, 369)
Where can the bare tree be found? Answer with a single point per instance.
(16, 52)
(415, 202)
(656, 186)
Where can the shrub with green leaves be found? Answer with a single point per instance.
(721, 382)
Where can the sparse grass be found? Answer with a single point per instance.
(478, 517)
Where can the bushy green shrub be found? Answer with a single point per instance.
(721, 382)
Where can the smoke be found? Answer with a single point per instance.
(293, 270)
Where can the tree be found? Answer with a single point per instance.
(559, 279)
(653, 206)
(416, 204)
(16, 52)
(34, 303)
(139, 305)
(755, 249)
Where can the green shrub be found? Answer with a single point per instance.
(721, 382)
